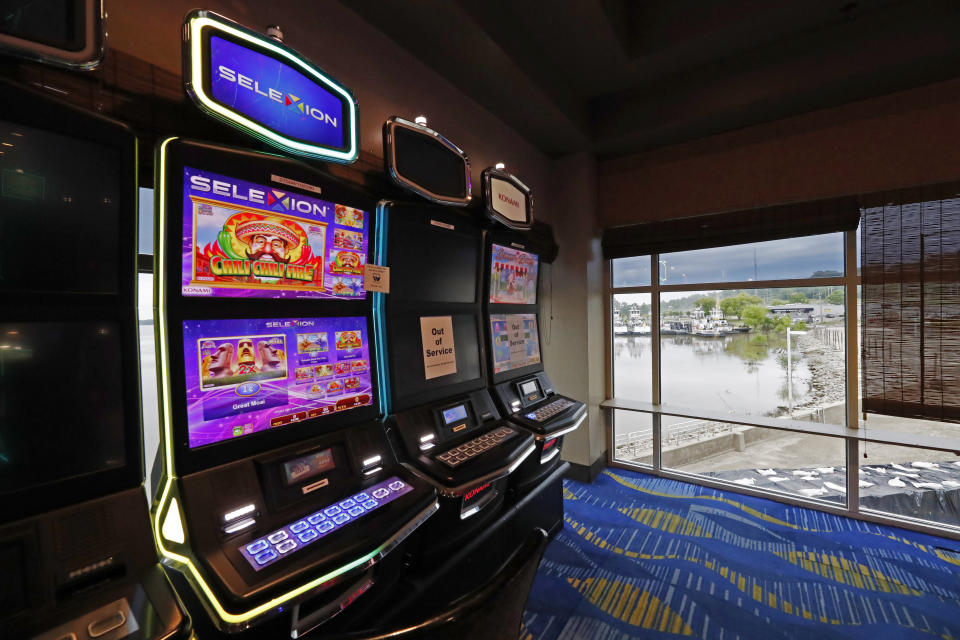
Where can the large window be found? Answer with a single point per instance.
(739, 365)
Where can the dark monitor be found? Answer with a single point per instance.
(513, 275)
(60, 197)
(61, 402)
(244, 376)
(63, 32)
(514, 345)
(421, 160)
(418, 376)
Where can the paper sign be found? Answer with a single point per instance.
(439, 355)
(376, 278)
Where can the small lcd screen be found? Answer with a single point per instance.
(453, 414)
(61, 401)
(305, 467)
(245, 376)
(513, 276)
(242, 239)
(428, 163)
(58, 24)
(515, 341)
(529, 388)
(59, 212)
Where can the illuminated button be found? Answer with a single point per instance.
(332, 511)
(316, 518)
(340, 519)
(346, 504)
(360, 497)
(531, 416)
(265, 557)
(297, 527)
(380, 493)
(279, 536)
(370, 504)
(307, 535)
(356, 511)
(257, 546)
(325, 526)
(396, 486)
(287, 545)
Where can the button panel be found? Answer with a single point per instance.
(472, 448)
(549, 410)
(304, 531)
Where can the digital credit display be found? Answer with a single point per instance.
(529, 388)
(275, 94)
(515, 341)
(305, 467)
(245, 376)
(453, 414)
(513, 276)
(242, 239)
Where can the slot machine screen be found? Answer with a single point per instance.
(59, 24)
(242, 239)
(513, 276)
(61, 401)
(426, 162)
(245, 376)
(409, 377)
(515, 341)
(59, 212)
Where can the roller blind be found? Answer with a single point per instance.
(910, 277)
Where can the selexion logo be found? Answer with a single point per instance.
(284, 99)
(275, 199)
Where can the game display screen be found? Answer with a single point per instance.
(515, 341)
(513, 276)
(453, 414)
(242, 239)
(245, 376)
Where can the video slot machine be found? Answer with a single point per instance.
(77, 558)
(443, 419)
(521, 388)
(280, 501)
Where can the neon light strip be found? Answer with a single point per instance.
(379, 318)
(196, 83)
(166, 410)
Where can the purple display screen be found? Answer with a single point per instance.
(242, 239)
(245, 376)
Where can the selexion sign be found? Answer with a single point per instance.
(267, 90)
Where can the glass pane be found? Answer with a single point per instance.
(727, 351)
(632, 357)
(631, 272)
(148, 373)
(809, 466)
(633, 437)
(809, 257)
(145, 221)
(906, 481)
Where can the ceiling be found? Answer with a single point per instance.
(615, 77)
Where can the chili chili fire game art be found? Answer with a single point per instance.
(242, 239)
(245, 376)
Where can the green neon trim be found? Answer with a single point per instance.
(165, 422)
(196, 74)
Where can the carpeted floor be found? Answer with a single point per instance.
(646, 557)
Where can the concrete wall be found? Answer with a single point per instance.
(899, 140)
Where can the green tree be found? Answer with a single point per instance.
(835, 297)
(798, 296)
(799, 325)
(733, 306)
(707, 304)
(776, 302)
(758, 319)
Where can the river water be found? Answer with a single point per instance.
(739, 373)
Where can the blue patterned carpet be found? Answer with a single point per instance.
(646, 557)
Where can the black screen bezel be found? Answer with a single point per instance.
(42, 112)
(488, 176)
(254, 167)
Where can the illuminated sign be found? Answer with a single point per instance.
(267, 90)
(508, 200)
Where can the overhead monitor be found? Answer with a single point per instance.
(506, 199)
(513, 275)
(66, 33)
(60, 198)
(244, 239)
(62, 411)
(422, 161)
(266, 89)
(244, 376)
(515, 343)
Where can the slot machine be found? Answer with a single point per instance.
(280, 501)
(522, 390)
(441, 416)
(77, 558)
